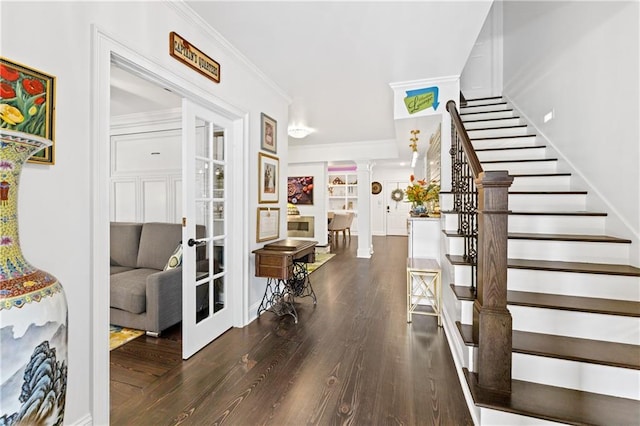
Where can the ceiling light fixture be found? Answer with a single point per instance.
(299, 132)
(414, 147)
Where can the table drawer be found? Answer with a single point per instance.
(274, 266)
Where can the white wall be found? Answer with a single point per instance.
(581, 61)
(319, 208)
(482, 74)
(56, 201)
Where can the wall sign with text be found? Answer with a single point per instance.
(421, 99)
(191, 56)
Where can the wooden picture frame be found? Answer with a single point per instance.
(28, 98)
(268, 178)
(269, 132)
(268, 224)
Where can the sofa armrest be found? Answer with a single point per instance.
(164, 299)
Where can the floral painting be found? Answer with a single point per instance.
(27, 104)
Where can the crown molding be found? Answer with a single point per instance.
(190, 15)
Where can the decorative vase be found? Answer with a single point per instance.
(418, 209)
(33, 309)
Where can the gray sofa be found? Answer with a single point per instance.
(143, 295)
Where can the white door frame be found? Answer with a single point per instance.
(106, 49)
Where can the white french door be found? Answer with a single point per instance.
(397, 212)
(206, 298)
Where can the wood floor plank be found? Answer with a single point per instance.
(352, 358)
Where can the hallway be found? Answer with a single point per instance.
(352, 359)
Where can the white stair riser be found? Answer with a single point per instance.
(533, 202)
(521, 167)
(600, 286)
(489, 101)
(512, 154)
(484, 108)
(492, 133)
(461, 275)
(602, 379)
(609, 328)
(584, 325)
(477, 123)
(556, 224)
(547, 202)
(541, 183)
(561, 251)
(569, 251)
(504, 142)
(487, 115)
(489, 417)
(543, 224)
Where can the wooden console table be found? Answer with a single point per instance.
(284, 264)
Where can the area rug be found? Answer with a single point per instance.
(321, 259)
(118, 336)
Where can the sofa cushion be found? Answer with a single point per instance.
(157, 243)
(129, 290)
(115, 269)
(175, 260)
(125, 239)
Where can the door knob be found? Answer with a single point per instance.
(193, 242)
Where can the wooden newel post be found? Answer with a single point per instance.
(491, 319)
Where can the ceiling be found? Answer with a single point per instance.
(337, 59)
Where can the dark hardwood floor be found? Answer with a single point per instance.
(352, 359)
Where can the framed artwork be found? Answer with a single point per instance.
(269, 128)
(268, 226)
(27, 104)
(268, 169)
(300, 190)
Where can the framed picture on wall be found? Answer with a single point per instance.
(28, 99)
(269, 128)
(300, 189)
(268, 170)
(268, 226)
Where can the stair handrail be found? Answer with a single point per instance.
(481, 199)
(474, 163)
(465, 169)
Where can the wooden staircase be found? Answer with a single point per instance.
(572, 294)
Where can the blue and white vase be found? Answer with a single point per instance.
(33, 309)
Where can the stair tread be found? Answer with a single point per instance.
(558, 404)
(527, 160)
(510, 148)
(485, 98)
(513, 126)
(555, 237)
(516, 175)
(567, 213)
(612, 354)
(486, 138)
(568, 237)
(478, 120)
(558, 266)
(548, 192)
(540, 213)
(561, 302)
(582, 267)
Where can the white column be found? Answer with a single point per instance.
(365, 245)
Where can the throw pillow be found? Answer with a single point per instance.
(176, 258)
